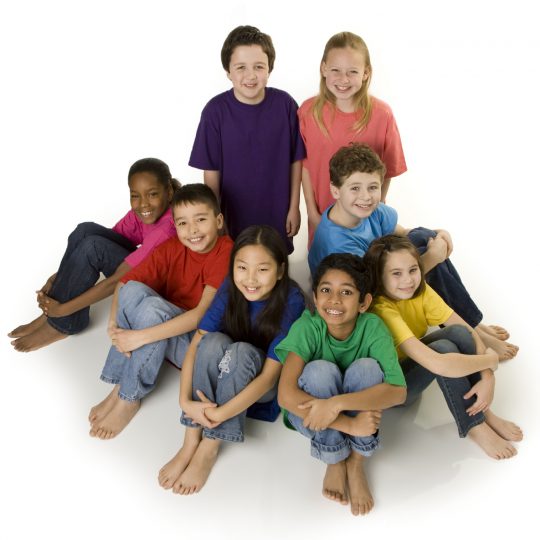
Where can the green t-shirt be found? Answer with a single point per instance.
(308, 337)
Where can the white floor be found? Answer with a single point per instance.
(94, 89)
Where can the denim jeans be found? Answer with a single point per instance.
(322, 379)
(455, 339)
(222, 369)
(445, 280)
(91, 249)
(140, 307)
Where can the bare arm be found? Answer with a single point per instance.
(98, 292)
(314, 216)
(212, 180)
(293, 215)
(384, 189)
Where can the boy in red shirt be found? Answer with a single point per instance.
(156, 306)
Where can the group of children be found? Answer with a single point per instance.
(227, 312)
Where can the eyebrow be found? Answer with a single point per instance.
(258, 264)
(409, 268)
(345, 284)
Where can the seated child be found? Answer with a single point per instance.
(92, 249)
(455, 355)
(157, 306)
(231, 367)
(340, 370)
(358, 217)
(248, 142)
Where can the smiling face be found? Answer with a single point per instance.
(344, 71)
(197, 226)
(149, 198)
(249, 72)
(338, 302)
(356, 198)
(401, 275)
(255, 272)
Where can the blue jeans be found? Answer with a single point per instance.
(222, 370)
(140, 307)
(456, 339)
(322, 379)
(445, 280)
(91, 249)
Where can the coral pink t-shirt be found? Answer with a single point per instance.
(146, 236)
(381, 134)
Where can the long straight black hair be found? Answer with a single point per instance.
(268, 324)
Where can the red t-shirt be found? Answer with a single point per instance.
(179, 275)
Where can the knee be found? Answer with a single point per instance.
(247, 355)
(213, 345)
(365, 372)
(320, 377)
(461, 337)
(420, 237)
(444, 346)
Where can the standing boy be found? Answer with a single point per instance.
(157, 306)
(248, 142)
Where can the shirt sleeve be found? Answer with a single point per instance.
(299, 340)
(392, 155)
(212, 320)
(206, 151)
(298, 150)
(129, 228)
(436, 310)
(394, 321)
(388, 219)
(216, 269)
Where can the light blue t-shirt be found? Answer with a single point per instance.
(332, 238)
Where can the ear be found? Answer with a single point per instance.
(366, 74)
(281, 271)
(220, 221)
(364, 305)
(228, 73)
(323, 69)
(334, 190)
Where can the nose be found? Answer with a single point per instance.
(335, 298)
(193, 227)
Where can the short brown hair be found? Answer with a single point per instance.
(354, 158)
(247, 35)
(196, 193)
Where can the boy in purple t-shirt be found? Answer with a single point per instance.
(248, 142)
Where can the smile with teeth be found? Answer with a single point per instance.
(334, 312)
(196, 239)
(146, 214)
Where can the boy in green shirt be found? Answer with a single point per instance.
(340, 370)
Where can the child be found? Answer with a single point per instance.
(340, 369)
(248, 143)
(66, 297)
(341, 113)
(157, 306)
(358, 217)
(231, 364)
(455, 355)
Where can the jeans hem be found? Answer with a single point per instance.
(109, 380)
(214, 434)
(330, 454)
(128, 398)
(464, 432)
(366, 450)
(61, 330)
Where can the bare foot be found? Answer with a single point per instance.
(491, 443)
(496, 331)
(194, 477)
(505, 350)
(116, 420)
(504, 428)
(359, 492)
(172, 470)
(41, 337)
(335, 483)
(99, 411)
(26, 329)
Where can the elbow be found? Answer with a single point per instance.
(401, 395)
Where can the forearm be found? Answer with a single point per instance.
(459, 365)
(98, 292)
(296, 182)
(186, 378)
(429, 261)
(384, 188)
(181, 324)
(378, 397)
(212, 180)
(309, 194)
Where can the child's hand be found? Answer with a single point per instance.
(48, 284)
(197, 410)
(321, 413)
(292, 223)
(484, 390)
(438, 248)
(49, 306)
(213, 414)
(445, 235)
(365, 423)
(126, 341)
(314, 219)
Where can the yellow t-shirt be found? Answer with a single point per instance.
(408, 318)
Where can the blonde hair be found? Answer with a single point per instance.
(361, 99)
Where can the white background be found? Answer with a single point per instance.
(89, 87)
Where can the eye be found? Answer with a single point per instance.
(324, 290)
(134, 196)
(355, 188)
(240, 267)
(346, 292)
(396, 274)
(201, 219)
(180, 223)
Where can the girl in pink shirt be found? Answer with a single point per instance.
(92, 249)
(344, 112)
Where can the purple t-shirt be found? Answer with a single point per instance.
(253, 147)
(146, 236)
